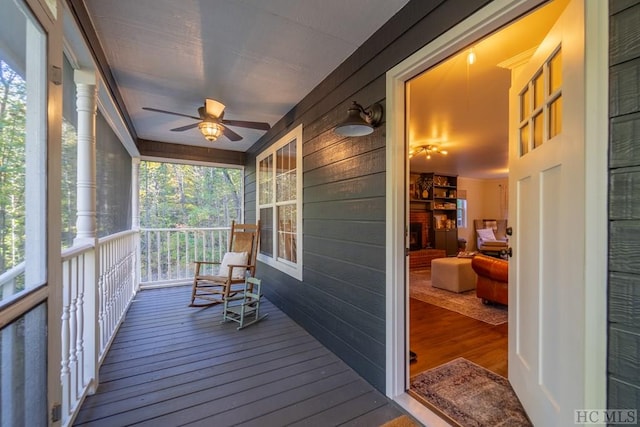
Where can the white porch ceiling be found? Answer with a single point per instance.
(262, 57)
(258, 57)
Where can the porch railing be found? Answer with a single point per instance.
(167, 254)
(98, 286)
(11, 280)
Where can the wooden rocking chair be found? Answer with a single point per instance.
(236, 264)
(244, 308)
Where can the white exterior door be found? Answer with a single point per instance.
(547, 213)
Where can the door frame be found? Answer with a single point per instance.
(478, 25)
(50, 292)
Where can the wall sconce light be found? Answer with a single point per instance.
(360, 122)
(428, 151)
(210, 130)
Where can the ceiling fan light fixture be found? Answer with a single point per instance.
(213, 107)
(360, 122)
(428, 150)
(210, 130)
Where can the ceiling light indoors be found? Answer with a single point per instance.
(471, 57)
(428, 151)
(360, 122)
(210, 130)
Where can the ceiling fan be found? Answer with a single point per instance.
(212, 123)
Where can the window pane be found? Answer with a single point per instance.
(538, 91)
(266, 231)
(555, 72)
(286, 173)
(555, 117)
(287, 232)
(538, 122)
(265, 180)
(23, 370)
(524, 140)
(281, 232)
(462, 213)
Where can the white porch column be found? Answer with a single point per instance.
(86, 187)
(86, 228)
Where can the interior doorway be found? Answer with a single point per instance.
(462, 37)
(457, 139)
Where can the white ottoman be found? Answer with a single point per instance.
(453, 274)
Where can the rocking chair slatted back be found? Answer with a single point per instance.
(213, 289)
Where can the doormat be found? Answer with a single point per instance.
(470, 395)
(466, 303)
(401, 421)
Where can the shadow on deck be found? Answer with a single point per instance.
(174, 365)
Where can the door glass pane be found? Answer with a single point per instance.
(538, 91)
(555, 117)
(23, 370)
(52, 5)
(555, 72)
(524, 140)
(22, 151)
(524, 105)
(538, 126)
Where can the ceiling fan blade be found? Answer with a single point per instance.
(230, 134)
(187, 127)
(246, 124)
(170, 112)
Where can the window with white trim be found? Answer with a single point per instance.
(279, 204)
(461, 213)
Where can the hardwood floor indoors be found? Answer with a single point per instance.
(438, 335)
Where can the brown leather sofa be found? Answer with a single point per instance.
(493, 279)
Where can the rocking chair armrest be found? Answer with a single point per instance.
(239, 265)
(232, 266)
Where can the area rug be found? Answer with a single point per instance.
(466, 303)
(470, 395)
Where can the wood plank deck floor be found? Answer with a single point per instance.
(172, 365)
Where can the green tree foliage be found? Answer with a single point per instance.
(175, 196)
(13, 108)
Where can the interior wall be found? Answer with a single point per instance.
(486, 199)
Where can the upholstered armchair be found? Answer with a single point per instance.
(492, 285)
(491, 235)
